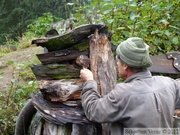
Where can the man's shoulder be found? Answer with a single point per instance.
(162, 78)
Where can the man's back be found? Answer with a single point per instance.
(150, 102)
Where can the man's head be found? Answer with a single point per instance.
(134, 53)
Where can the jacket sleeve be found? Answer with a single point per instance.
(100, 109)
(177, 84)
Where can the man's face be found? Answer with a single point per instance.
(121, 69)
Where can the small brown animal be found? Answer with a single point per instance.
(83, 61)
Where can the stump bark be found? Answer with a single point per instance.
(103, 67)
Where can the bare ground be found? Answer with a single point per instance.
(18, 57)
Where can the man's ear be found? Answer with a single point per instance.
(125, 67)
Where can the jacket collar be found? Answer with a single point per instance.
(139, 75)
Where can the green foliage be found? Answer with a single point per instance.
(41, 25)
(156, 21)
(15, 96)
(16, 15)
(36, 29)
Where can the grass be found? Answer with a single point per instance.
(23, 83)
(15, 96)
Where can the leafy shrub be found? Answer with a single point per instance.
(41, 25)
(14, 97)
(157, 22)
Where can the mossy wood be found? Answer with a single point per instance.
(77, 35)
(55, 71)
(60, 118)
(60, 56)
(103, 67)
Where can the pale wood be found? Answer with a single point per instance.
(61, 90)
(102, 63)
(52, 129)
(70, 129)
(39, 129)
(103, 67)
(85, 129)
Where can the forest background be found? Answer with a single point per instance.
(156, 21)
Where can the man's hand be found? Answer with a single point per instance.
(177, 112)
(86, 74)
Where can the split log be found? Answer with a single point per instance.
(60, 56)
(103, 66)
(61, 90)
(75, 36)
(62, 120)
(58, 113)
(55, 71)
(67, 54)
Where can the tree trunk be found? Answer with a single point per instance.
(103, 66)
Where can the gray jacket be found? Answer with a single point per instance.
(142, 101)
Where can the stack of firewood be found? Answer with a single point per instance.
(60, 87)
(58, 74)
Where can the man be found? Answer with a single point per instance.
(142, 101)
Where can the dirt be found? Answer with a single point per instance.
(17, 57)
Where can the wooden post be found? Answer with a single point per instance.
(103, 66)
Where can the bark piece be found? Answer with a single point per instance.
(103, 67)
(55, 71)
(61, 55)
(61, 90)
(102, 63)
(58, 113)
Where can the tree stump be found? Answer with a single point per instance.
(46, 128)
(103, 66)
